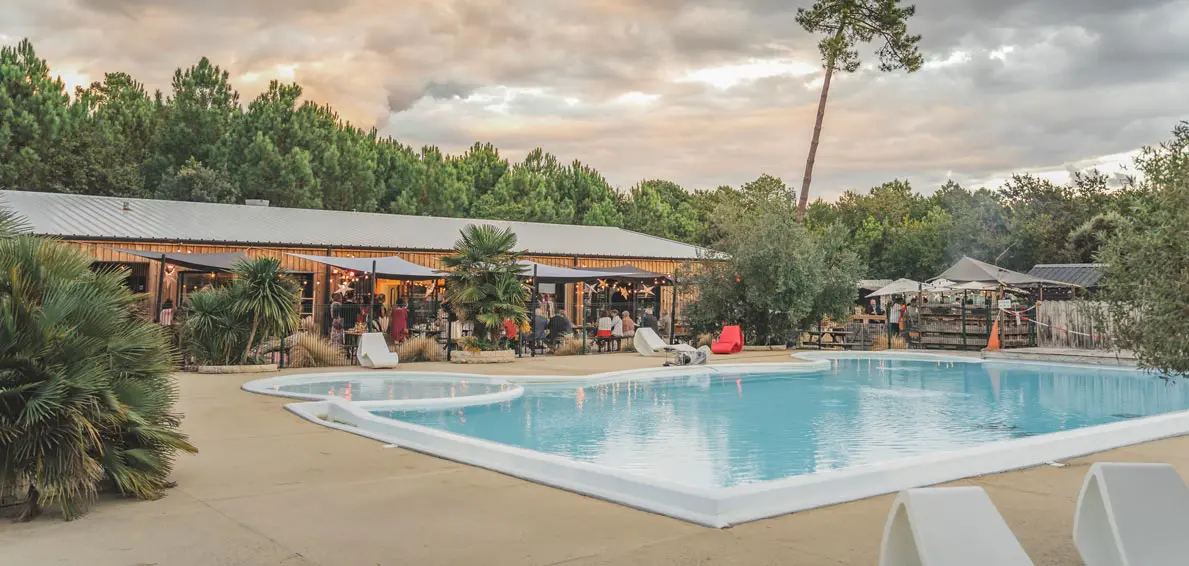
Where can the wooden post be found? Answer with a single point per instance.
(673, 312)
(964, 320)
(371, 300)
(160, 288)
(532, 325)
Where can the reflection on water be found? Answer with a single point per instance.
(395, 388)
(725, 431)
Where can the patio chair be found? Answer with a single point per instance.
(730, 341)
(373, 352)
(647, 343)
(948, 526)
(1132, 515)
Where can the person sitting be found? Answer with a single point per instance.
(650, 321)
(629, 325)
(559, 329)
(603, 330)
(511, 332)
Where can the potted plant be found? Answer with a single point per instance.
(485, 288)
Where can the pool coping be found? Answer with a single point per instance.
(717, 507)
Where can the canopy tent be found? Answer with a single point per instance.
(388, 267)
(554, 273)
(213, 262)
(628, 272)
(972, 270)
(902, 286)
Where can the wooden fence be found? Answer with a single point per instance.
(1073, 324)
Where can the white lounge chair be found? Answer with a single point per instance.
(948, 526)
(1132, 515)
(649, 344)
(373, 352)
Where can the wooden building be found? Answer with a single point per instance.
(103, 226)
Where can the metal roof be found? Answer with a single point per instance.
(969, 269)
(1082, 274)
(107, 218)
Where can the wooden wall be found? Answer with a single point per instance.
(101, 251)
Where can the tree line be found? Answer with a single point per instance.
(200, 143)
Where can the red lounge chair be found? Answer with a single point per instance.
(729, 342)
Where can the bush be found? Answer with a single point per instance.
(775, 276)
(420, 350)
(573, 346)
(222, 325)
(1144, 285)
(484, 285)
(87, 396)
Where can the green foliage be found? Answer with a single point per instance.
(845, 24)
(198, 183)
(196, 121)
(11, 223)
(778, 276)
(662, 208)
(33, 119)
(1144, 286)
(484, 285)
(85, 387)
(222, 325)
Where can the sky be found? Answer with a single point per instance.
(701, 92)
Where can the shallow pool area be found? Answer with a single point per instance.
(724, 444)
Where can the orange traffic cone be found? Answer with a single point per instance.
(993, 341)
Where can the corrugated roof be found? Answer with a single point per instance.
(104, 218)
(1083, 274)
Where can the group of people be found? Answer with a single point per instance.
(896, 314)
(541, 329)
(613, 326)
(346, 308)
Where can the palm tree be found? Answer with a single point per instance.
(485, 284)
(10, 223)
(86, 394)
(265, 295)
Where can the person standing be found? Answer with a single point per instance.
(398, 322)
(894, 313)
(650, 321)
(616, 330)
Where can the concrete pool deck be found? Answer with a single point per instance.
(270, 488)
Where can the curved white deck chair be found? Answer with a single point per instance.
(373, 352)
(1132, 515)
(948, 526)
(649, 344)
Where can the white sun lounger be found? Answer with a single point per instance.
(373, 352)
(948, 526)
(1132, 515)
(649, 344)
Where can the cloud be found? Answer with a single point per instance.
(703, 92)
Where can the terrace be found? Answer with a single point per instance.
(269, 488)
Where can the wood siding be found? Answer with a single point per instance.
(101, 251)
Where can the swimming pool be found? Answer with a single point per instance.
(724, 444)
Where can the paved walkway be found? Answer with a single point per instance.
(269, 488)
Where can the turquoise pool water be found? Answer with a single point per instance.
(721, 430)
(398, 387)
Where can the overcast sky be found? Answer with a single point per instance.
(702, 92)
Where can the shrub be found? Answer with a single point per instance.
(222, 325)
(87, 395)
(420, 350)
(572, 347)
(484, 285)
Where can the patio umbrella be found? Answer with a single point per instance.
(901, 286)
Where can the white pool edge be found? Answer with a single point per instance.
(721, 507)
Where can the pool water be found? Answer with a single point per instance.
(712, 429)
(398, 387)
